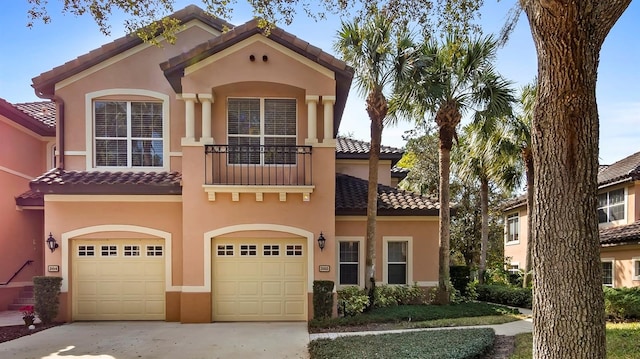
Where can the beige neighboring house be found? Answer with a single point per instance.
(203, 181)
(619, 217)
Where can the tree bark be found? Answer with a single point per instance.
(528, 162)
(568, 308)
(377, 110)
(484, 229)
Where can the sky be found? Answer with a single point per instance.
(25, 53)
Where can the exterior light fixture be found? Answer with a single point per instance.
(321, 242)
(51, 243)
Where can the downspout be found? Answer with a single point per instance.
(59, 124)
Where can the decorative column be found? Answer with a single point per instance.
(328, 102)
(312, 119)
(189, 117)
(206, 100)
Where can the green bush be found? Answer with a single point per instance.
(502, 294)
(390, 295)
(622, 303)
(441, 344)
(352, 300)
(472, 290)
(322, 299)
(460, 277)
(46, 291)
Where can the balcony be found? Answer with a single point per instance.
(258, 169)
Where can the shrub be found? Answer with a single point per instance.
(322, 299)
(622, 303)
(460, 277)
(472, 290)
(46, 292)
(502, 294)
(390, 295)
(352, 300)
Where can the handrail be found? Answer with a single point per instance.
(28, 262)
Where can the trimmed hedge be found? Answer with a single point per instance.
(460, 278)
(322, 299)
(622, 303)
(46, 291)
(440, 344)
(502, 294)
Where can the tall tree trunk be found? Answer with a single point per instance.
(447, 118)
(528, 162)
(568, 310)
(377, 110)
(484, 230)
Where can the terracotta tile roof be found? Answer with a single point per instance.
(85, 182)
(45, 82)
(514, 203)
(626, 169)
(43, 111)
(174, 67)
(399, 172)
(627, 234)
(351, 199)
(349, 148)
(30, 198)
(26, 120)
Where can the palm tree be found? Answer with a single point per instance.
(454, 78)
(380, 52)
(485, 155)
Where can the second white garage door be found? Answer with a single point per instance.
(119, 279)
(259, 280)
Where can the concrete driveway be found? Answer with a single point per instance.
(123, 340)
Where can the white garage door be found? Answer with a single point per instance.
(118, 279)
(259, 280)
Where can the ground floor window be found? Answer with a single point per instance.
(607, 272)
(397, 262)
(636, 268)
(349, 264)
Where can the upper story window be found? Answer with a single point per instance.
(262, 131)
(513, 228)
(128, 134)
(611, 206)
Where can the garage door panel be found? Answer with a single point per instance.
(269, 285)
(117, 286)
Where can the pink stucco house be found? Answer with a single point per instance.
(27, 139)
(619, 218)
(194, 181)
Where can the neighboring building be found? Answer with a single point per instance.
(619, 217)
(27, 136)
(194, 186)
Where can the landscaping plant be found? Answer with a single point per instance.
(47, 290)
(322, 299)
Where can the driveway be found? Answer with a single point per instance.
(124, 340)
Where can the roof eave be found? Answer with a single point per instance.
(9, 111)
(108, 189)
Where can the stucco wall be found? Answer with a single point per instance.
(623, 264)
(517, 251)
(360, 169)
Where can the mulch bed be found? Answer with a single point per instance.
(16, 331)
(503, 347)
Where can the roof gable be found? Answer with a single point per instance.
(174, 69)
(624, 170)
(44, 84)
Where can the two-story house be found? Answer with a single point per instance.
(27, 138)
(619, 217)
(203, 181)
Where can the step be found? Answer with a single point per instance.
(25, 301)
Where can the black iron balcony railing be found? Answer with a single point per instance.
(258, 165)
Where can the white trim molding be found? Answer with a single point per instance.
(110, 198)
(613, 271)
(124, 92)
(361, 259)
(210, 235)
(16, 173)
(635, 263)
(385, 258)
(68, 236)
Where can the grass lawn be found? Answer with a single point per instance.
(440, 344)
(421, 316)
(623, 342)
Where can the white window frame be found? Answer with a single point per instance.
(624, 203)
(385, 257)
(514, 270)
(262, 135)
(613, 272)
(125, 95)
(361, 259)
(507, 226)
(635, 262)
